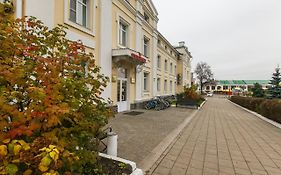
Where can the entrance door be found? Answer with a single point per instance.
(122, 90)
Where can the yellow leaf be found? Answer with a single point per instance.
(16, 161)
(43, 149)
(46, 161)
(6, 141)
(43, 168)
(52, 146)
(3, 150)
(22, 142)
(54, 155)
(17, 149)
(24, 145)
(28, 172)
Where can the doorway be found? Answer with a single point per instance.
(122, 90)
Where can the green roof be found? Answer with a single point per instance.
(242, 82)
(256, 81)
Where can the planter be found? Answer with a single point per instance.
(129, 167)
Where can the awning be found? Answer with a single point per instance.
(128, 55)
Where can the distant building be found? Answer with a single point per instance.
(231, 85)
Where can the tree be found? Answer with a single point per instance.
(204, 74)
(257, 90)
(51, 110)
(275, 89)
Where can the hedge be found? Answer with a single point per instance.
(266, 107)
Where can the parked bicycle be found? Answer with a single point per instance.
(158, 103)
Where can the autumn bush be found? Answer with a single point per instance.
(51, 110)
(267, 107)
(190, 97)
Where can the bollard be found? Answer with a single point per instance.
(112, 143)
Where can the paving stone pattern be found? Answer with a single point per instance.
(224, 139)
(139, 135)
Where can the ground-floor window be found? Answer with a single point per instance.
(165, 86)
(158, 84)
(146, 81)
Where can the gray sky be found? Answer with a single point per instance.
(239, 39)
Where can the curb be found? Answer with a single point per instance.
(278, 125)
(202, 104)
(152, 160)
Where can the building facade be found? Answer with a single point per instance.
(235, 85)
(123, 36)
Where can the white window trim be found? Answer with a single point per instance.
(159, 63)
(147, 82)
(166, 65)
(90, 28)
(158, 84)
(147, 47)
(122, 20)
(165, 86)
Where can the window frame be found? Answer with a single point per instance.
(158, 81)
(165, 85)
(146, 47)
(146, 81)
(77, 13)
(123, 23)
(91, 20)
(159, 60)
(171, 86)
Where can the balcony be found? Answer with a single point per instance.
(128, 55)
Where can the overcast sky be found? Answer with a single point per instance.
(239, 39)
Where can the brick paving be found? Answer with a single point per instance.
(139, 135)
(223, 139)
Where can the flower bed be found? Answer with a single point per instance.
(270, 109)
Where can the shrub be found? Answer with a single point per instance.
(266, 107)
(190, 97)
(50, 105)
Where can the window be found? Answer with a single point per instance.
(171, 68)
(159, 41)
(225, 87)
(171, 86)
(165, 86)
(158, 84)
(146, 17)
(123, 33)
(175, 70)
(145, 81)
(159, 61)
(146, 47)
(165, 47)
(166, 65)
(78, 12)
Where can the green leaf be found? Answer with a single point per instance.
(11, 169)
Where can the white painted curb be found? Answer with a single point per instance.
(136, 171)
(202, 104)
(278, 125)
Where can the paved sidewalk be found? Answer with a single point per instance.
(224, 139)
(139, 135)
